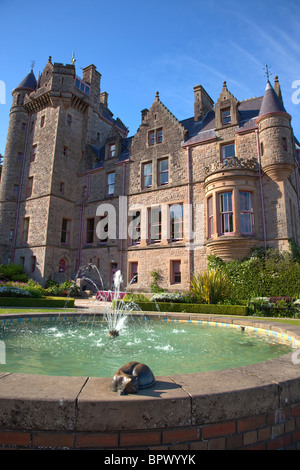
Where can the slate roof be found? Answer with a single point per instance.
(29, 82)
(205, 130)
(271, 102)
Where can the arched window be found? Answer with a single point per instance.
(62, 266)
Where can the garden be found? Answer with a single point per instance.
(18, 290)
(266, 284)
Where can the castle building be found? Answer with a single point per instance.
(77, 190)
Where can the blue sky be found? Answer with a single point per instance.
(141, 47)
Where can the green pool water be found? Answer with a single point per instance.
(83, 348)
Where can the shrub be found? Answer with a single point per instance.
(210, 287)
(156, 278)
(47, 302)
(66, 288)
(12, 272)
(240, 310)
(267, 273)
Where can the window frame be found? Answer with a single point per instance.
(110, 186)
(33, 153)
(155, 136)
(90, 230)
(65, 231)
(25, 230)
(162, 172)
(29, 187)
(134, 273)
(176, 276)
(226, 213)
(249, 212)
(223, 147)
(176, 221)
(210, 217)
(136, 228)
(153, 223)
(144, 176)
(224, 118)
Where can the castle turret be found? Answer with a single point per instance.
(11, 177)
(275, 135)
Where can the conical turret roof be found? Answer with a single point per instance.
(271, 102)
(29, 82)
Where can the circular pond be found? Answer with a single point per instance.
(73, 347)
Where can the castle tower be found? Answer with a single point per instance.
(276, 136)
(13, 166)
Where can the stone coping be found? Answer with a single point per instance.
(37, 402)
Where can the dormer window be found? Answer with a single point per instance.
(225, 116)
(112, 150)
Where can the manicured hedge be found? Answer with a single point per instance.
(46, 302)
(241, 310)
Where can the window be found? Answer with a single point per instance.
(65, 231)
(33, 153)
(147, 175)
(134, 228)
(65, 151)
(15, 189)
(62, 187)
(210, 217)
(25, 230)
(175, 272)
(90, 224)
(261, 148)
(226, 213)
(22, 261)
(82, 86)
(62, 266)
(163, 171)
(29, 186)
(32, 263)
(246, 213)
(83, 191)
(19, 157)
(102, 229)
(11, 234)
(110, 184)
(133, 272)
(42, 121)
(154, 224)
(155, 137)
(284, 143)
(159, 136)
(225, 116)
(176, 222)
(69, 120)
(151, 138)
(112, 150)
(227, 151)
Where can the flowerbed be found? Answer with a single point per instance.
(20, 289)
(275, 306)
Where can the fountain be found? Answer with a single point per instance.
(186, 403)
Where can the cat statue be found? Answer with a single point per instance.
(132, 377)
